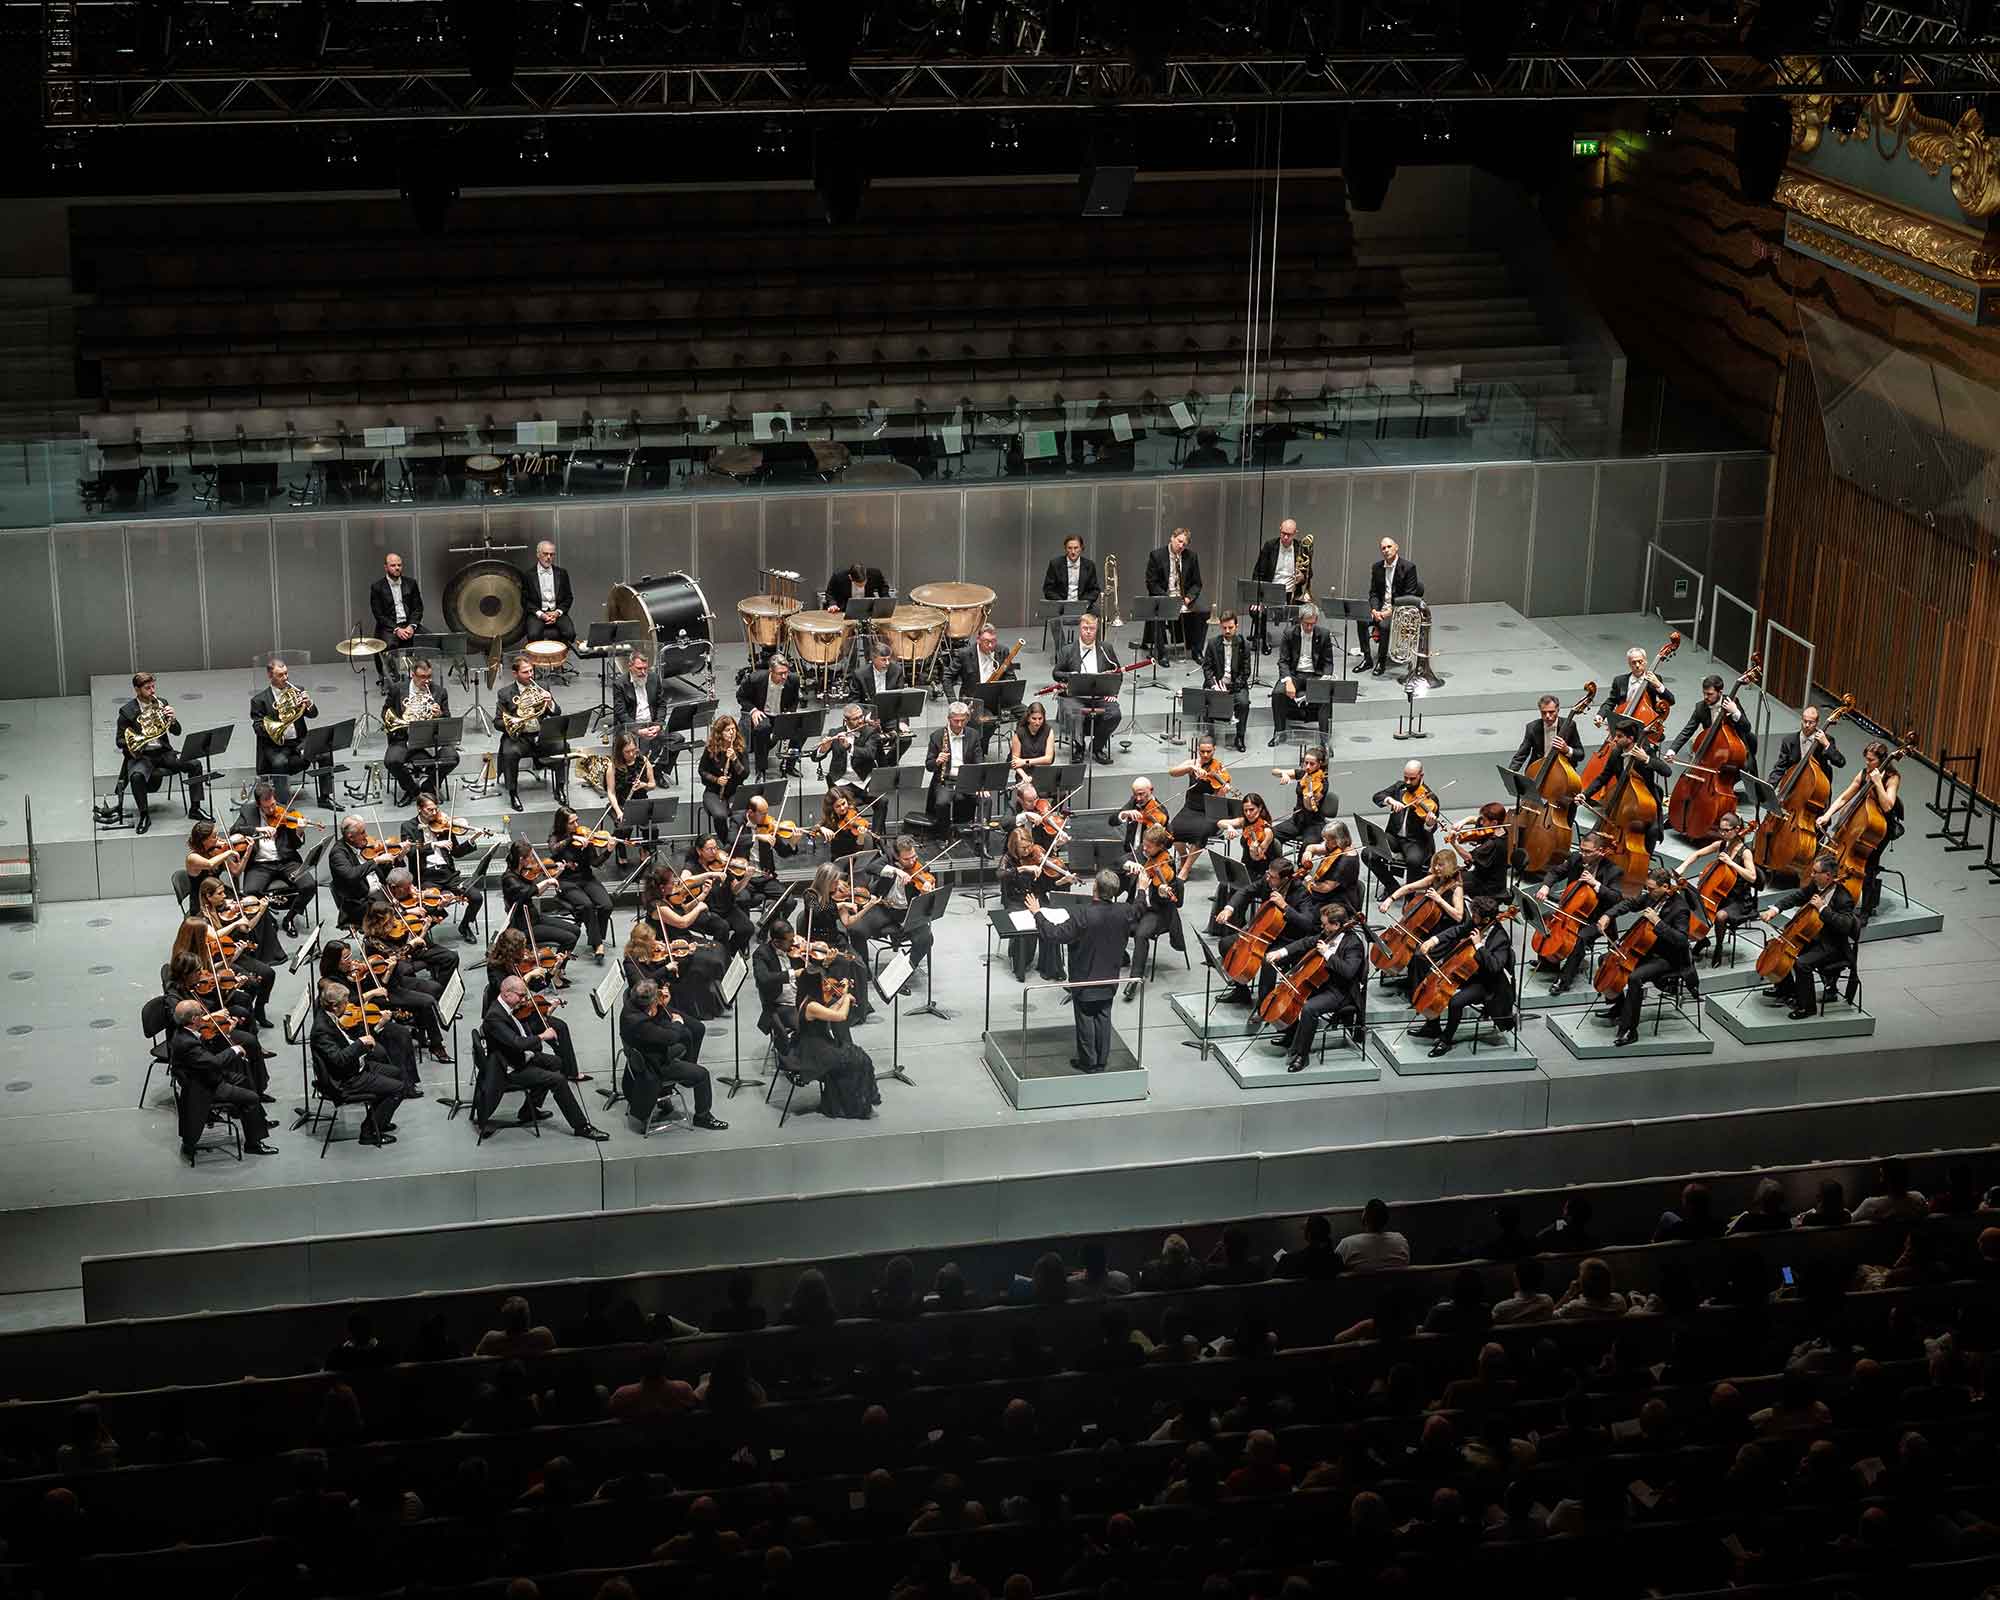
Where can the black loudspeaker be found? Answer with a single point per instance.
(1103, 190)
(1763, 139)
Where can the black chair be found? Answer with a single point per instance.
(183, 887)
(483, 1120)
(327, 1100)
(155, 1019)
(788, 1068)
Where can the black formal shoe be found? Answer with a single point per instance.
(1380, 671)
(1241, 743)
(268, 1055)
(1429, 1030)
(378, 1138)
(1560, 986)
(1235, 996)
(514, 802)
(1441, 1048)
(467, 936)
(413, 1091)
(443, 1056)
(197, 814)
(1801, 1013)
(267, 1099)
(1131, 988)
(289, 927)
(1277, 738)
(188, 1157)
(1775, 994)
(530, 1114)
(712, 1123)
(260, 1149)
(144, 824)
(1626, 1036)
(263, 1020)
(1295, 1064)
(587, 1131)
(1101, 757)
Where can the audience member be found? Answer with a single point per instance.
(360, 1351)
(1829, 1211)
(1591, 1293)
(1232, 1261)
(1174, 1268)
(1374, 1248)
(811, 1303)
(1570, 1233)
(1095, 1280)
(1893, 1200)
(1465, 1314)
(655, 1395)
(1767, 1212)
(1694, 1220)
(1529, 1302)
(1315, 1259)
(517, 1334)
(741, 1313)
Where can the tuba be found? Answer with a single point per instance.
(1406, 631)
(1302, 571)
(1111, 589)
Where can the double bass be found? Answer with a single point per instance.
(1706, 793)
(1788, 837)
(1859, 827)
(1455, 971)
(1544, 826)
(1628, 814)
(1650, 712)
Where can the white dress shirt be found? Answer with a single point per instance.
(396, 600)
(1288, 563)
(642, 709)
(1075, 579)
(546, 577)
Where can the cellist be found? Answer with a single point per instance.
(1833, 949)
(1672, 954)
(1340, 998)
(1444, 883)
(1491, 986)
(1739, 906)
(1332, 868)
(1593, 860)
(1886, 786)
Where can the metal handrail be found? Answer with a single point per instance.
(1655, 548)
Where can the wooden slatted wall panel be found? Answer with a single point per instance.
(1904, 612)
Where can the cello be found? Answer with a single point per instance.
(1242, 961)
(1649, 712)
(1544, 826)
(1580, 902)
(1860, 826)
(1396, 946)
(1788, 836)
(1706, 793)
(1782, 951)
(1286, 1002)
(1455, 971)
(1628, 814)
(1615, 971)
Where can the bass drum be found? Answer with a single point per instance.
(673, 607)
(488, 600)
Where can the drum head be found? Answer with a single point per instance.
(488, 600)
(669, 606)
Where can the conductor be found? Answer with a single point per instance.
(1097, 934)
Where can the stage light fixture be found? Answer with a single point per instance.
(339, 150)
(1845, 117)
(1004, 134)
(773, 138)
(1763, 139)
(1222, 130)
(1660, 118)
(1434, 128)
(66, 154)
(534, 151)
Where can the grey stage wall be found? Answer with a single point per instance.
(1550, 538)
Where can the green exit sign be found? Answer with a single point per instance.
(1586, 147)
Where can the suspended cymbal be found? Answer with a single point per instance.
(361, 647)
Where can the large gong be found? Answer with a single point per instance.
(488, 600)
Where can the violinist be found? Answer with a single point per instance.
(1672, 955)
(1412, 828)
(772, 837)
(843, 822)
(277, 859)
(1260, 837)
(1144, 812)
(856, 746)
(1028, 865)
(188, 978)
(212, 1073)
(1734, 848)
(351, 876)
(1283, 888)
(356, 1063)
(1225, 669)
(1551, 731)
(1313, 804)
(1716, 704)
(388, 939)
(958, 744)
(1648, 766)
(1032, 744)
(1444, 883)
(1159, 899)
(896, 884)
(439, 842)
(631, 776)
(1305, 652)
(210, 855)
(1630, 688)
(530, 889)
(1594, 859)
(827, 1052)
(1207, 777)
(202, 932)
(661, 1047)
(776, 976)
(399, 889)
(723, 771)
(1885, 787)
(358, 986)
(510, 957)
(1491, 986)
(580, 854)
(1812, 737)
(1332, 868)
(825, 911)
(1341, 999)
(1482, 840)
(674, 910)
(520, 1056)
(726, 905)
(243, 918)
(1823, 959)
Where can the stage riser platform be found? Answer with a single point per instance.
(1590, 1040)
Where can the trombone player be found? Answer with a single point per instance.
(1286, 559)
(278, 714)
(145, 723)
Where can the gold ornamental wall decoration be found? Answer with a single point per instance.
(1921, 239)
(1892, 123)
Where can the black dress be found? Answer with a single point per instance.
(1034, 745)
(844, 1071)
(719, 783)
(1191, 824)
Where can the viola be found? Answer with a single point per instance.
(1436, 987)
(921, 880)
(1776, 960)
(1323, 867)
(1312, 788)
(1257, 838)
(1396, 946)
(1473, 833)
(1544, 827)
(543, 961)
(849, 820)
(1215, 775)
(1579, 904)
(1706, 793)
(1788, 836)
(534, 869)
(1245, 958)
(691, 887)
(1650, 713)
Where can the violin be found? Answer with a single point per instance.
(544, 960)
(1323, 867)
(1650, 713)
(688, 889)
(374, 849)
(535, 869)
(429, 903)
(921, 881)
(1788, 836)
(366, 1016)
(1455, 971)
(772, 828)
(224, 980)
(283, 818)
(1545, 827)
(1312, 789)
(213, 1025)
(1159, 870)
(592, 838)
(1706, 793)
(1473, 832)
(848, 819)
(1242, 961)
(1215, 774)
(1258, 837)
(459, 828)
(537, 1008)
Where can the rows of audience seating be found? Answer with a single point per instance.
(1753, 1392)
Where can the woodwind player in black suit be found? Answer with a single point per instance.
(1096, 717)
(1305, 652)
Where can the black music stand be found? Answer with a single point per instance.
(1051, 611)
(1756, 790)
(609, 641)
(865, 608)
(887, 781)
(984, 779)
(1092, 855)
(1218, 806)
(1206, 707)
(1231, 875)
(677, 732)
(1351, 612)
(435, 736)
(898, 706)
(316, 752)
(1092, 686)
(1163, 610)
(1263, 600)
(1061, 782)
(204, 745)
(924, 909)
(1006, 695)
(1322, 695)
(789, 731)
